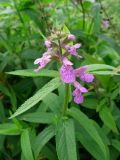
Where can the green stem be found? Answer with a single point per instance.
(83, 12)
(22, 21)
(66, 99)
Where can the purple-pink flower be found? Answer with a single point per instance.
(48, 43)
(77, 93)
(67, 72)
(105, 23)
(46, 58)
(72, 49)
(81, 73)
(71, 37)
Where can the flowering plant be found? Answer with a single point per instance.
(61, 51)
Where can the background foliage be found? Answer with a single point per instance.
(88, 131)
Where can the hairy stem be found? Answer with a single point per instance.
(66, 99)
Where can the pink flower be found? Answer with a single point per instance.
(71, 37)
(67, 74)
(85, 77)
(46, 58)
(72, 49)
(66, 62)
(79, 87)
(77, 93)
(48, 43)
(106, 23)
(79, 99)
(67, 71)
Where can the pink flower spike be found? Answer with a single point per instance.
(66, 61)
(67, 74)
(71, 37)
(48, 43)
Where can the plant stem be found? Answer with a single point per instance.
(22, 21)
(66, 99)
(83, 12)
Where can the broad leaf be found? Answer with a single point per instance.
(65, 140)
(26, 146)
(49, 87)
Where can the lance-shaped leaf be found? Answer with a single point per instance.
(65, 140)
(42, 139)
(26, 146)
(89, 130)
(32, 73)
(49, 87)
(9, 129)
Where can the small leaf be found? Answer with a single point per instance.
(108, 119)
(49, 87)
(42, 139)
(65, 140)
(26, 146)
(32, 73)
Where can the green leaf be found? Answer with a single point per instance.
(38, 117)
(104, 73)
(108, 119)
(116, 144)
(9, 129)
(26, 146)
(90, 131)
(97, 18)
(94, 67)
(53, 102)
(65, 140)
(4, 89)
(42, 139)
(32, 73)
(49, 151)
(44, 91)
